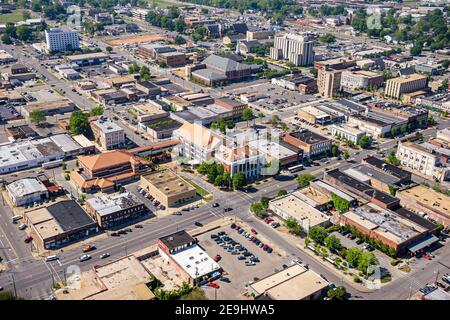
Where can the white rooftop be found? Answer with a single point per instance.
(105, 205)
(23, 187)
(65, 142)
(271, 148)
(107, 126)
(195, 261)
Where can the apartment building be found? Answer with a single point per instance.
(405, 84)
(60, 40)
(298, 49)
(108, 134)
(421, 160)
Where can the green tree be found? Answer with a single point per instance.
(364, 142)
(338, 293)
(9, 295)
(335, 150)
(180, 40)
(416, 50)
(219, 181)
(109, 49)
(78, 122)
(318, 234)
(97, 111)
(6, 39)
(392, 159)
(365, 260)
(281, 193)
(353, 255)
(304, 179)
(327, 38)
(293, 226)
(333, 243)
(37, 116)
(345, 155)
(247, 115)
(258, 209)
(340, 203)
(238, 180)
(24, 33)
(265, 202)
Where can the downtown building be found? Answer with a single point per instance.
(60, 40)
(298, 49)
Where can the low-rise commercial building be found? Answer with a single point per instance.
(313, 115)
(26, 191)
(293, 283)
(385, 226)
(348, 133)
(168, 188)
(111, 211)
(244, 159)
(427, 203)
(303, 84)
(172, 59)
(189, 259)
(274, 151)
(291, 206)
(60, 224)
(361, 79)
(88, 59)
(49, 108)
(311, 143)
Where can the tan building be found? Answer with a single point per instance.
(398, 86)
(426, 202)
(360, 79)
(329, 74)
(313, 115)
(293, 283)
(167, 187)
(260, 34)
(108, 134)
(172, 59)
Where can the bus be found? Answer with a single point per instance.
(52, 164)
(295, 168)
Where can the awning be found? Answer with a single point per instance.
(423, 243)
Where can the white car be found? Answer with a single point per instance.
(22, 226)
(105, 255)
(85, 257)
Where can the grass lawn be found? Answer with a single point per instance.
(163, 4)
(13, 17)
(202, 192)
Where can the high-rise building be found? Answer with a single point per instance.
(60, 40)
(298, 49)
(329, 74)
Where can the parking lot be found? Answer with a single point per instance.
(237, 271)
(277, 98)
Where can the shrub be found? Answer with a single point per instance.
(357, 279)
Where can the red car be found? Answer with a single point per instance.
(425, 256)
(254, 231)
(254, 239)
(217, 258)
(213, 285)
(28, 239)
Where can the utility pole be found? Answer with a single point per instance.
(437, 275)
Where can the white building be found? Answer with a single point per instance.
(243, 159)
(197, 143)
(26, 191)
(108, 134)
(347, 132)
(419, 159)
(28, 154)
(298, 49)
(60, 40)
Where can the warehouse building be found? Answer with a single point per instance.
(26, 191)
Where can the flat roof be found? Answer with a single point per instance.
(167, 182)
(389, 168)
(390, 224)
(292, 283)
(316, 198)
(365, 173)
(370, 191)
(314, 111)
(309, 137)
(149, 109)
(70, 215)
(105, 205)
(94, 55)
(404, 79)
(299, 209)
(177, 239)
(429, 197)
(107, 125)
(330, 188)
(23, 187)
(65, 142)
(271, 148)
(83, 141)
(195, 261)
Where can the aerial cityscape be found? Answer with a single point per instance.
(224, 150)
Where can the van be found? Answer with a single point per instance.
(16, 218)
(51, 258)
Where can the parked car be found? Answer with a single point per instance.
(233, 226)
(139, 226)
(213, 285)
(250, 263)
(23, 226)
(224, 279)
(28, 239)
(114, 234)
(227, 209)
(241, 258)
(253, 230)
(269, 250)
(359, 241)
(241, 231)
(217, 258)
(446, 278)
